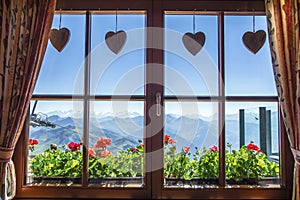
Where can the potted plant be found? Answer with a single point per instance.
(248, 165)
(207, 165)
(178, 167)
(124, 168)
(129, 162)
(64, 165)
(61, 164)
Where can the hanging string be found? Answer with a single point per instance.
(60, 19)
(253, 22)
(117, 20)
(194, 22)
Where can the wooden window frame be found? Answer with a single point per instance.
(154, 180)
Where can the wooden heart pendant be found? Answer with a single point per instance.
(254, 41)
(115, 40)
(59, 38)
(193, 42)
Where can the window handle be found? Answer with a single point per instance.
(158, 102)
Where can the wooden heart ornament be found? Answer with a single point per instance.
(254, 41)
(59, 38)
(193, 42)
(115, 40)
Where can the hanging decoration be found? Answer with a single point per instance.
(193, 42)
(115, 41)
(60, 38)
(254, 41)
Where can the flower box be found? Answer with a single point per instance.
(127, 165)
(214, 181)
(56, 181)
(108, 181)
(171, 181)
(117, 181)
(138, 181)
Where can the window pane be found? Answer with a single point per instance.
(257, 155)
(61, 71)
(121, 73)
(191, 144)
(186, 74)
(55, 127)
(116, 143)
(247, 73)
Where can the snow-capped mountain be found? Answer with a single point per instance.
(125, 129)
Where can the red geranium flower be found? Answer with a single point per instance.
(135, 149)
(168, 140)
(171, 141)
(102, 142)
(92, 152)
(213, 148)
(104, 153)
(186, 149)
(32, 142)
(253, 147)
(74, 146)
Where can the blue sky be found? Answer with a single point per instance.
(245, 73)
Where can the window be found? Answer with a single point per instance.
(250, 114)
(127, 123)
(105, 127)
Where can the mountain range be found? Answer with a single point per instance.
(125, 129)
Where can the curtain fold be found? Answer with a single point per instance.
(25, 27)
(283, 28)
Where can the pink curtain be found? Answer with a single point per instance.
(283, 27)
(25, 27)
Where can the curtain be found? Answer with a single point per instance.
(25, 27)
(283, 28)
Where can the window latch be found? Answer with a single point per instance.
(158, 104)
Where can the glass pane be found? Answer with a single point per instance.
(247, 73)
(55, 150)
(185, 73)
(191, 144)
(252, 155)
(61, 72)
(116, 143)
(121, 73)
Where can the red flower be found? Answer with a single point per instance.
(74, 146)
(32, 142)
(186, 149)
(169, 140)
(104, 153)
(92, 152)
(253, 147)
(135, 149)
(166, 139)
(102, 142)
(213, 148)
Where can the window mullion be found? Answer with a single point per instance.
(156, 87)
(221, 75)
(86, 106)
